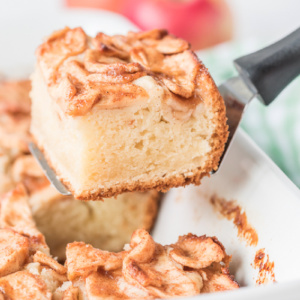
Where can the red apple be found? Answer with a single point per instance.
(202, 22)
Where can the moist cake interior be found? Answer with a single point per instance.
(107, 224)
(87, 148)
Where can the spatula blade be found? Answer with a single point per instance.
(49, 172)
(237, 95)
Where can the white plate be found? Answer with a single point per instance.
(271, 201)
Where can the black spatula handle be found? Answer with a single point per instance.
(271, 69)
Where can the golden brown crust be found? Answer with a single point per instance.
(149, 270)
(161, 184)
(210, 93)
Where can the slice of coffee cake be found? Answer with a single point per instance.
(125, 113)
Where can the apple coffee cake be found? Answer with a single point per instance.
(114, 114)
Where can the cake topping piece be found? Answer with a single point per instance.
(197, 252)
(15, 214)
(84, 259)
(14, 97)
(59, 46)
(14, 249)
(48, 261)
(15, 115)
(23, 285)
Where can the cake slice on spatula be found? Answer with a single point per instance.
(113, 114)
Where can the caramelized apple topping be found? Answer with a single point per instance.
(149, 270)
(14, 249)
(46, 260)
(197, 252)
(16, 215)
(217, 279)
(84, 259)
(24, 285)
(71, 293)
(75, 66)
(15, 115)
(25, 169)
(14, 97)
(57, 48)
(27, 271)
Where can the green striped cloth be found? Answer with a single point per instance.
(276, 128)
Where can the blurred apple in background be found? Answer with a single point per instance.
(203, 23)
(112, 5)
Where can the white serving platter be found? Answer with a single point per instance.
(269, 198)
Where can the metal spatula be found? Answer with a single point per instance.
(263, 74)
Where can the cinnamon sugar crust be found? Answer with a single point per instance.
(79, 70)
(147, 270)
(14, 97)
(15, 106)
(15, 214)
